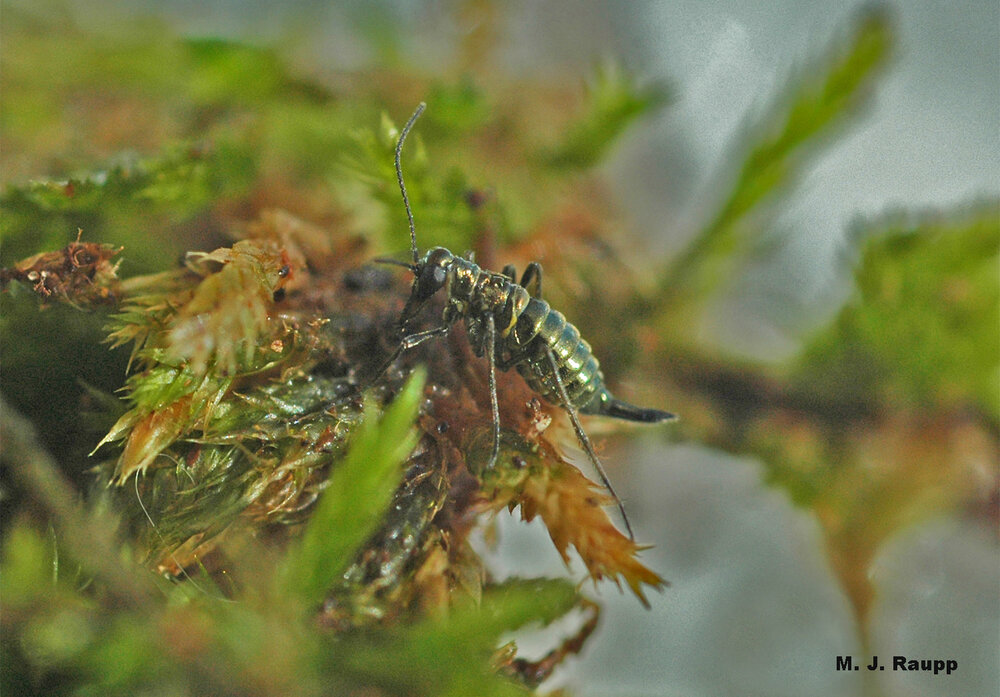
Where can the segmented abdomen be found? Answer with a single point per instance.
(539, 326)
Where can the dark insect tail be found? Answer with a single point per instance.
(629, 412)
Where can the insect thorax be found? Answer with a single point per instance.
(481, 291)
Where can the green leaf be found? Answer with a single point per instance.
(460, 107)
(356, 498)
(507, 607)
(224, 71)
(437, 194)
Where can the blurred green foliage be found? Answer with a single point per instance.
(107, 204)
(614, 100)
(921, 329)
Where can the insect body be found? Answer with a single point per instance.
(513, 327)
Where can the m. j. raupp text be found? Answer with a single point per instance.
(922, 665)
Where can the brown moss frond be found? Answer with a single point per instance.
(80, 274)
(542, 484)
(531, 472)
(231, 310)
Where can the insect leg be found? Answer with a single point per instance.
(584, 440)
(412, 340)
(409, 342)
(491, 341)
(510, 272)
(531, 281)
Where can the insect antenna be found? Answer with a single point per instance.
(395, 262)
(399, 177)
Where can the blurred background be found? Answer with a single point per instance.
(785, 546)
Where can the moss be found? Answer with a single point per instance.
(266, 514)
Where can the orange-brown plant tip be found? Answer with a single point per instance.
(571, 507)
(150, 436)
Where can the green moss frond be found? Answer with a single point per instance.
(613, 101)
(451, 655)
(922, 325)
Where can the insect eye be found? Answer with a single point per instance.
(430, 281)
